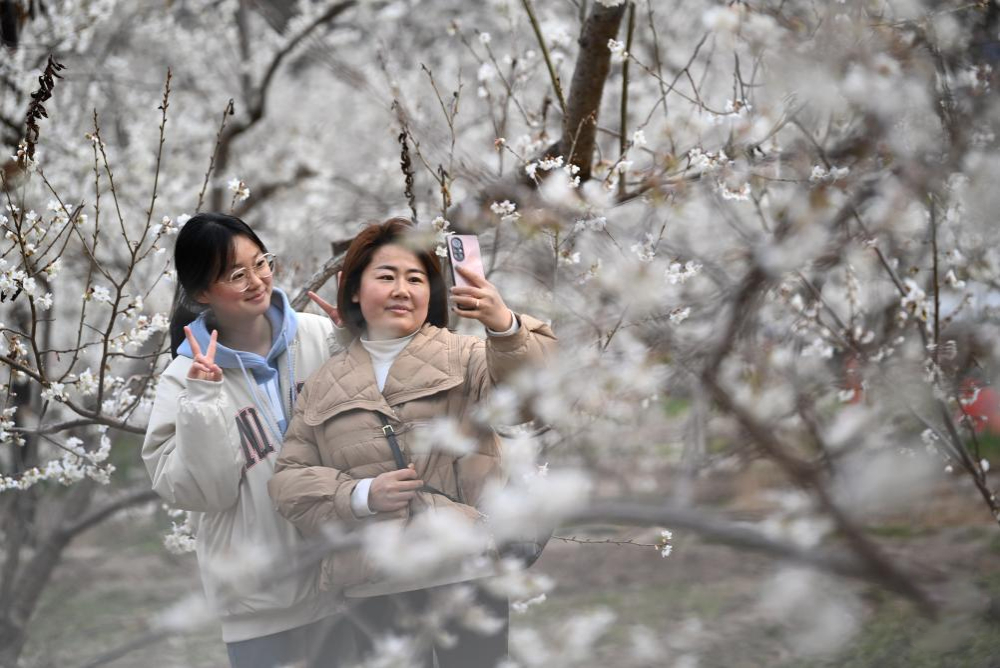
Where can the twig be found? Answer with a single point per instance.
(98, 515)
(605, 541)
(623, 142)
(545, 54)
(99, 143)
(662, 513)
(935, 281)
(226, 113)
(164, 105)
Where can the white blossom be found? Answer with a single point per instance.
(239, 188)
(442, 435)
(821, 174)
(646, 250)
(742, 194)
(679, 315)
(617, 49)
(98, 293)
(569, 257)
(506, 209)
(86, 382)
(678, 274)
(54, 392)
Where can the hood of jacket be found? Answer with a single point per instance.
(283, 327)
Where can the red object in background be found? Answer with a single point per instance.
(983, 407)
(853, 379)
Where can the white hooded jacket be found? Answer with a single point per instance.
(211, 448)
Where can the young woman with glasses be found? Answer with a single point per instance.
(217, 426)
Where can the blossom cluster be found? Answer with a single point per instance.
(76, 464)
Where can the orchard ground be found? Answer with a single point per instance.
(705, 601)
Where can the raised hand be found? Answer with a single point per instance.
(480, 301)
(204, 366)
(393, 490)
(329, 308)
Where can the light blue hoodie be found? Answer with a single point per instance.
(260, 373)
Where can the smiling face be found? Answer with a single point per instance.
(394, 293)
(229, 304)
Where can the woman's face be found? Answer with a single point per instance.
(224, 296)
(394, 293)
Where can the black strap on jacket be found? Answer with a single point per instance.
(390, 435)
(397, 455)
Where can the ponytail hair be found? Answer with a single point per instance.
(203, 251)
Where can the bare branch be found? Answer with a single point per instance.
(556, 84)
(98, 515)
(226, 113)
(318, 279)
(663, 514)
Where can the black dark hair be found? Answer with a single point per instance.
(203, 251)
(359, 256)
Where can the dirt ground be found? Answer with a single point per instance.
(705, 605)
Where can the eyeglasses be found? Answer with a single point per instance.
(263, 267)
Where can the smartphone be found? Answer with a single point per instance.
(463, 251)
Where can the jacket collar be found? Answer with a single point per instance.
(430, 363)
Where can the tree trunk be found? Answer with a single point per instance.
(587, 88)
(30, 579)
(24, 586)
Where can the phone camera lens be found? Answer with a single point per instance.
(457, 250)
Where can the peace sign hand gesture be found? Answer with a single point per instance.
(204, 366)
(327, 307)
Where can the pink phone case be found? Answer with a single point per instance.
(465, 253)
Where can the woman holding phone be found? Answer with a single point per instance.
(222, 407)
(339, 465)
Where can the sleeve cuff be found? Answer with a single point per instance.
(359, 498)
(514, 326)
(197, 389)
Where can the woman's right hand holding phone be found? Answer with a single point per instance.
(480, 300)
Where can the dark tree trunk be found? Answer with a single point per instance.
(587, 87)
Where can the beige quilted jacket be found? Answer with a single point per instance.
(335, 437)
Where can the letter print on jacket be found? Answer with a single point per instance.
(253, 437)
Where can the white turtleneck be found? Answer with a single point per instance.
(383, 353)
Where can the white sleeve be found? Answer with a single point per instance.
(192, 449)
(338, 339)
(514, 326)
(359, 498)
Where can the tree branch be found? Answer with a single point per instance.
(255, 108)
(739, 536)
(320, 277)
(98, 515)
